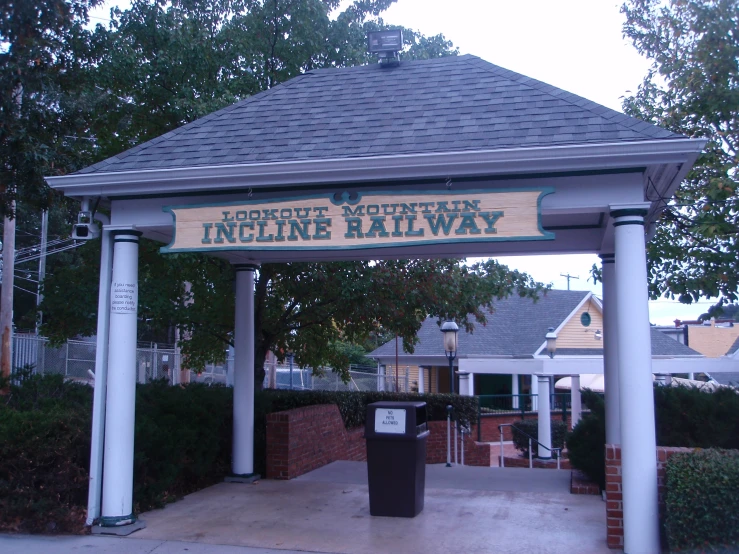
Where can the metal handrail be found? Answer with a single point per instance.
(524, 433)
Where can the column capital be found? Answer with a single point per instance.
(125, 235)
(629, 214)
(246, 267)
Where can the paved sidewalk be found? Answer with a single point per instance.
(33, 544)
(467, 509)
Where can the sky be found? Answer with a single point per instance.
(576, 45)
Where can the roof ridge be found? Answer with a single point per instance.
(616, 117)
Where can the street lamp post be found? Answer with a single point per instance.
(450, 330)
(551, 342)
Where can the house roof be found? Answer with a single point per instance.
(456, 103)
(733, 348)
(726, 378)
(517, 329)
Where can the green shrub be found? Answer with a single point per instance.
(586, 443)
(531, 427)
(686, 416)
(702, 500)
(182, 440)
(45, 452)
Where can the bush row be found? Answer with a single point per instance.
(182, 443)
(702, 500)
(684, 416)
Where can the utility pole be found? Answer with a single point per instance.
(6, 296)
(568, 276)
(42, 266)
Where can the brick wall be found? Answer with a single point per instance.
(614, 496)
(304, 439)
(475, 453)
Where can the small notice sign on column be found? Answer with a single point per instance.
(389, 421)
(124, 298)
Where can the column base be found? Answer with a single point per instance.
(119, 530)
(248, 478)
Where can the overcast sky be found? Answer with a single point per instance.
(576, 45)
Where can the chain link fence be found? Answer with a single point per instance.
(76, 360)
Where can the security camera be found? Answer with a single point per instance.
(85, 228)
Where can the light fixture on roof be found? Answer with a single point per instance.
(386, 44)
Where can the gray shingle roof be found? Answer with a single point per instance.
(726, 378)
(517, 328)
(733, 348)
(449, 104)
(663, 345)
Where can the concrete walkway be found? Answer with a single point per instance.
(467, 509)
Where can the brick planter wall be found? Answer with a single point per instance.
(475, 453)
(304, 439)
(580, 484)
(518, 461)
(614, 496)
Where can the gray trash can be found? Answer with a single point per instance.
(396, 434)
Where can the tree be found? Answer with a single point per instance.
(693, 89)
(309, 309)
(165, 63)
(42, 51)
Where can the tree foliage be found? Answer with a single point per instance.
(43, 47)
(310, 309)
(165, 63)
(693, 89)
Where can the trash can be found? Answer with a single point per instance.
(396, 434)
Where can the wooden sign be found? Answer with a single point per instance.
(369, 220)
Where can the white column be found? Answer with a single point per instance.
(94, 492)
(242, 463)
(534, 393)
(421, 384)
(464, 383)
(545, 418)
(610, 350)
(515, 390)
(472, 384)
(575, 399)
(121, 392)
(636, 398)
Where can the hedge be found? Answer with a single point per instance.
(586, 443)
(702, 500)
(684, 416)
(531, 427)
(182, 443)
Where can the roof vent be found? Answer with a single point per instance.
(387, 45)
